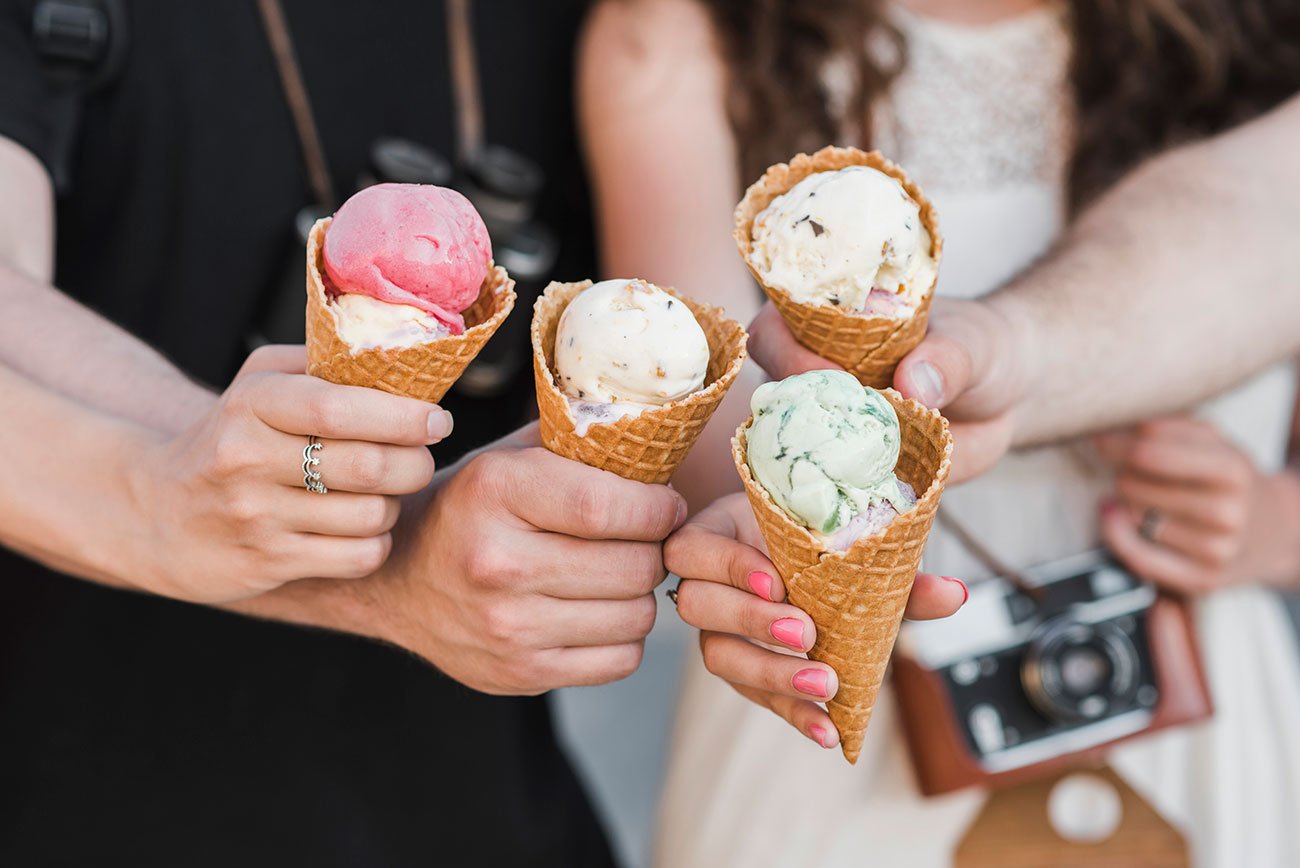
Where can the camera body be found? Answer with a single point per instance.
(1021, 682)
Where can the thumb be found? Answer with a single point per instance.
(936, 372)
(275, 358)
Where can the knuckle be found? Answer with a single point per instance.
(370, 554)
(711, 652)
(625, 660)
(647, 568)
(245, 508)
(369, 466)
(591, 510)
(486, 566)
(644, 614)
(688, 602)
(504, 625)
(373, 515)
(327, 412)
(1220, 549)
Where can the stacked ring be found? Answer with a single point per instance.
(310, 461)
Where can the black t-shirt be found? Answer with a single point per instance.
(139, 731)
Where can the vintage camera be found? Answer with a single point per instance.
(504, 186)
(1026, 680)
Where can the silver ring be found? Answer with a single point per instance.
(1152, 520)
(310, 461)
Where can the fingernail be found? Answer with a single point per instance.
(811, 681)
(789, 631)
(761, 583)
(682, 510)
(820, 735)
(927, 385)
(965, 591)
(440, 424)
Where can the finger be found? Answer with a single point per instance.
(277, 358)
(1182, 428)
(338, 513)
(563, 496)
(1209, 548)
(1114, 446)
(585, 623)
(1207, 508)
(351, 465)
(936, 372)
(598, 569)
(1150, 561)
(307, 405)
(977, 446)
(310, 555)
(743, 663)
(589, 666)
(935, 597)
(804, 715)
(776, 350)
(706, 548)
(724, 609)
(1180, 462)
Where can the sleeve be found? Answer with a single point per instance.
(28, 108)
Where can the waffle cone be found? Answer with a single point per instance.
(869, 347)
(425, 371)
(856, 598)
(648, 447)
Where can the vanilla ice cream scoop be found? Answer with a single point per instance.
(629, 341)
(836, 236)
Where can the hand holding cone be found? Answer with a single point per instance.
(856, 598)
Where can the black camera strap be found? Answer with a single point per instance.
(985, 555)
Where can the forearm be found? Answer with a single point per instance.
(64, 496)
(57, 343)
(1177, 284)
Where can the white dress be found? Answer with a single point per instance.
(982, 118)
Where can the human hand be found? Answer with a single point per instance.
(973, 364)
(527, 571)
(734, 595)
(225, 509)
(1193, 513)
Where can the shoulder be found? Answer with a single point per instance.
(637, 51)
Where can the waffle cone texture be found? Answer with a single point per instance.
(869, 347)
(648, 447)
(857, 597)
(424, 371)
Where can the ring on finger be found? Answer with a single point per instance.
(671, 594)
(310, 461)
(1152, 521)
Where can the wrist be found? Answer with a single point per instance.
(1017, 369)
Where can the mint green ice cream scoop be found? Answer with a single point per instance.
(825, 447)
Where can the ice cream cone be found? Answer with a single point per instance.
(856, 598)
(869, 347)
(648, 447)
(425, 371)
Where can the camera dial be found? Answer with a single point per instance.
(1074, 671)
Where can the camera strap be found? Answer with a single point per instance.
(464, 77)
(985, 556)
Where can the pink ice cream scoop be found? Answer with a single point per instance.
(412, 244)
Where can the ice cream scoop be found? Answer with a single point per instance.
(410, 244)
(629, 341)
(852, 238)
(825, 447)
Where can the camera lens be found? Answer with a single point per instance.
(402, 161)
(1073, 671)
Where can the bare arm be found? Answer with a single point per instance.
(48, 338)
(651, 96)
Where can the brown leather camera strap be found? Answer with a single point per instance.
(295, 94)
(464, 77)
(985, 556)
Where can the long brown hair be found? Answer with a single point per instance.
(1147, 74)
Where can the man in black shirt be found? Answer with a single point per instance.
(141, 730)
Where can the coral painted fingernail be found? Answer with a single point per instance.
(761, 583)
(965, 592)
(820, 735)
(811, 681)
(788, 631)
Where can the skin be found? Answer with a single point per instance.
(1066, 348)
(1222, 521)
(514, 571)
